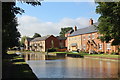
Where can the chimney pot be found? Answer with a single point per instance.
(91, 21)
(75, 28)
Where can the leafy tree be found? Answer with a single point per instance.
(10, 34)
(23, 40)
(109, 25)
(36, 35)
(65, 30)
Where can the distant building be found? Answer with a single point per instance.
(87, 39)
(44, 43)
(27, 43)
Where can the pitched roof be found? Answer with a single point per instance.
(29, 39)
(61, 38)
(41, 38)
(86, 30)
(70, 31)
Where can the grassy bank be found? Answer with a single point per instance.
(15, 67)
(105, 56)
(91, 55)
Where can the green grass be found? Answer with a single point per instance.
(57, 52)
(15, 67)
(86, 54)
(103, 55)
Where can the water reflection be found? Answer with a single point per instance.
(69, 67)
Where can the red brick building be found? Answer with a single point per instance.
(44, 43)
(87, 39)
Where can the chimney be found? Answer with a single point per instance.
(75, 28)
(91, 21)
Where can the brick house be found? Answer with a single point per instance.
(87, 39)
(61, 41)
(66, 35)
(44, 43)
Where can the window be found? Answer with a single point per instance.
(84, 46)
(100, 46)
(83, 37)
(93, 36)
(108, 46)
(89, 36)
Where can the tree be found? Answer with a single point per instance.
(109, 25)
(36, 35)
(65, 30)
(10, 34)
(23, 40)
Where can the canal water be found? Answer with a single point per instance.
(68, 67)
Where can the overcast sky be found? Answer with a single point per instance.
(50, 17)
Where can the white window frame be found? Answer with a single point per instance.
(93, 36)
(108, 46)
(89, 36)
(84, 47)
(84, 37)
(100, 46)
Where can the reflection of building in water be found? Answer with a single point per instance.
(34, 56)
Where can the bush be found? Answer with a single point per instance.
(51, 50)
(114, 53)
(62, 47)
(100, 52)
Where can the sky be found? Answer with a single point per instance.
(50, 17)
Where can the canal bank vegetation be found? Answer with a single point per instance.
(15, 67)
(105, 55)
(83, 54)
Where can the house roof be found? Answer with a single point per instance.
(70, 31)
(29, 39)
(61, 38)
(85, 30)
(41, 38)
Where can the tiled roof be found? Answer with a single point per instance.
(70, 31)
(61, 38)
(29, 39)
(86, 30)
(41, 38)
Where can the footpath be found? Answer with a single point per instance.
(15, 67)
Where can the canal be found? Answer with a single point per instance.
(69, 67)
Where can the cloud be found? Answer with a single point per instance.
(28, 25)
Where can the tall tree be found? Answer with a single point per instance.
(23, 40)
(36, 35)
(10, 34)
(109, 25)
(65, 30)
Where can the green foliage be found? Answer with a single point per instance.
(51, 50)
(23, 40)
(109, 20)
(65, 30)
(10, 33)
(36, 35)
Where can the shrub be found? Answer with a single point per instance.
(114, 53)
(51, 50)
